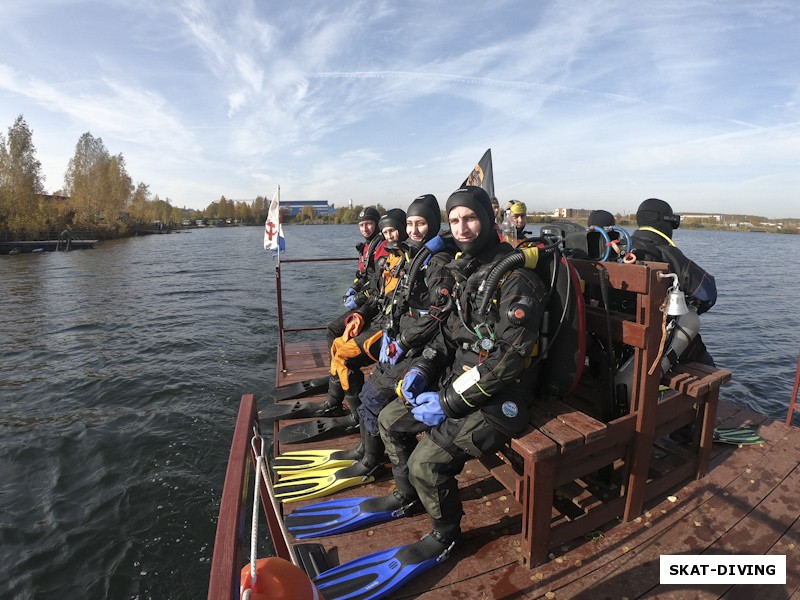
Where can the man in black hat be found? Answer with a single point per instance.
(370, 252)
(653, 242)
(468, 390)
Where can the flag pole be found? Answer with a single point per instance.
(280, 220)
(279, 294)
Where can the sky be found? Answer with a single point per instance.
(590, 104)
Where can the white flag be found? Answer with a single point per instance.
(273, 230)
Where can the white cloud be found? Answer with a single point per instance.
(375, 100)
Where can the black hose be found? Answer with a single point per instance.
(609, 407)
(512, 261)
(403, 290)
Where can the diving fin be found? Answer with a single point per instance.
(378, 575)
(319, 429)
(301, 410)
(738, 436)
(303, 460)
(300, 389)
(346, 514)
(310, 484)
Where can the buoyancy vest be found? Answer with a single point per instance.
(699, 286)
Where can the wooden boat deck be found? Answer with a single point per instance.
(747, 504)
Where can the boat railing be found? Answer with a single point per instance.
(282, 329)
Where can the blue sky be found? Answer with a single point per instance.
(591, 104)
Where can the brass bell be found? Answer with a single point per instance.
(676, 301)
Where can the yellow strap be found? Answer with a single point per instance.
(465, 401)
(663, 235)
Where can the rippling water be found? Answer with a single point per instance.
(123, 367)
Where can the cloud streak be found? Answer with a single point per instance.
(582, 104)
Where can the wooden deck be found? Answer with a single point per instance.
(747, 504)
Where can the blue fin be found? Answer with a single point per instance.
(379, 574)
(344, 514)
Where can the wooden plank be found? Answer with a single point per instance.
(628, 278)
(534, 445)
(719, 513)
(227, 557)
(623, 329)
(589, 427)
(561, 433)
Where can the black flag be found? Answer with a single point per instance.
(482, 174)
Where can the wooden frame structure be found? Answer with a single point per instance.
(572, 472)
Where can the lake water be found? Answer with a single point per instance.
(122, 369)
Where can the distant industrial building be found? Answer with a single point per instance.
(293, 207)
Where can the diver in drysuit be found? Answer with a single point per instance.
(372, 254)
(414, 316)
(468, 390)
(653, 242)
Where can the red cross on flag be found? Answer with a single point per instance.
(273, 231)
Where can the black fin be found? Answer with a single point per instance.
(300, 389)
(301, 410)
(319, 429)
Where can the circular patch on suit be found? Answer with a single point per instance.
(510, 409)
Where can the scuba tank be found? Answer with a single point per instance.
(683, 330)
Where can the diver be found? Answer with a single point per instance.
(468, 390)
(653, 242)
(519, 217)
(418, 306)
(601, 218)
(371, 253)
(360, 343)
(371, 256)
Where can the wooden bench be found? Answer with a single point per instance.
(574, 473)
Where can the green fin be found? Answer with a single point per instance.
(738, 436)
(379, 574)
(314, 483)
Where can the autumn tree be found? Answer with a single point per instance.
(140, 202)
(307, 213)
(98, 184)
(22, 206)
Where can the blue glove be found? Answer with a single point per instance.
(391, 350)
(414, 383)
(385, 343)
(428, 409)
(350, 299)
(395, 353)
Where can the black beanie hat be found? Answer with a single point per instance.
(657, 214)
(477, 200)
(369, 214)
(427, 207)
(601, 218)
(394, 217)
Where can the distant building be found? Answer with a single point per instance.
(321, 207)
(571, 213)
(716, 218)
